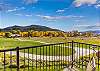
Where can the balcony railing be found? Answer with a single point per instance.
(51, 57)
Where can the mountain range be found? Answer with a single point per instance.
(37, 28)
(94, 31)
(27, 28)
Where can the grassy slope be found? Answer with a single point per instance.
(7, 42)
(12, 43)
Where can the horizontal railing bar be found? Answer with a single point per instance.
(87, 44)
(14, 49)
(40, 46)
(5, 50)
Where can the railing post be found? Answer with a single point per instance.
(4, 61)
(17, 59)
(72, 52)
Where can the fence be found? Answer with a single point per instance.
(52, 57)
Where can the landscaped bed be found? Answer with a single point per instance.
(25, 64)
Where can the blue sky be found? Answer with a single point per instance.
(65, 15)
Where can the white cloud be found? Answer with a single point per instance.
(96, 26)
(59, 17)
(60, 11)
(16, 9)
(12, 10)
(30, 1)
(78, 3)
(28, 15)
(97, 6)
(47, 17)
(73, 16)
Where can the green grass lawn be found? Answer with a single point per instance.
(13, 43)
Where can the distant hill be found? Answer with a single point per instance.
(27, 28)
(94, 31)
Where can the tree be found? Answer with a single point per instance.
(30, 33)
(18, 31)
(7, 34)
(89, 34)
(13, 31)
(75, 33)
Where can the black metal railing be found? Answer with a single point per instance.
(52, 57)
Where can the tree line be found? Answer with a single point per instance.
(32, 33)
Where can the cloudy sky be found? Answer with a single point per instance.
(66, 15)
